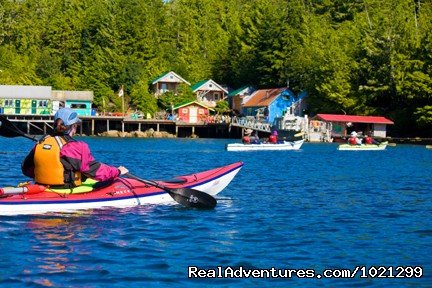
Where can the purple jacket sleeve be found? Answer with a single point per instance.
(78, 155)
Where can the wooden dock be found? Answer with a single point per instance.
(96, 125)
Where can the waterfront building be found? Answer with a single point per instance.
(42, 100)
(343, 125)
(25, 100)
(168, 81)
(238, 96)
(192, 112)
(80, 101)
(209, 92)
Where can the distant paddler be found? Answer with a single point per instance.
(353, 140)
(247, 136)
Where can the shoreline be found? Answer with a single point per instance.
(112, 126)
(149, 134)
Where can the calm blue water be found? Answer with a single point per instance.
(317, 208)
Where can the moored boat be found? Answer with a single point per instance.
(285, 145)
(122, 192)
(363, 147)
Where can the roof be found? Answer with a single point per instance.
(241, 91)
(354, 118)
(72, 95)
(25, 92)
(208, 85)
(189, 103)
(263, 97)
(170, 77)
(198, 84)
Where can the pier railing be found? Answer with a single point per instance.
(249, 122)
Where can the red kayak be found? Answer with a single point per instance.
(194, 190)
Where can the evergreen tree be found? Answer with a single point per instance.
(359, 57)
(142, 99)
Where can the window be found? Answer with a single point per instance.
(164, 87)
(184, 110)
(78, 106)
(8, 103)
(42, 103)
(216, 96)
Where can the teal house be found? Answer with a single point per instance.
(80, 101)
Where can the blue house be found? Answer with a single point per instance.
(269, 104)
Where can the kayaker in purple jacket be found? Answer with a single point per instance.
(60, 160)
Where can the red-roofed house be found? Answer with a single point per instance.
(342, 125)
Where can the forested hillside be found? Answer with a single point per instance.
(368, 57)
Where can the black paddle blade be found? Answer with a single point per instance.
(192, 198)
(186, 196)
(8, 129)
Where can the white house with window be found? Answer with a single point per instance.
(169, 81)
(209, 92)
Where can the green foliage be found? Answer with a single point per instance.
(222, 107)
(169, 99)
(359, 56)
(424, 116)
(142, 99)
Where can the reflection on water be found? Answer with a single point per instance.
(65, 244)
(55, 236)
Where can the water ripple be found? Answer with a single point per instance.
(314, 209)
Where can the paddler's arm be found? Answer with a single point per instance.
(27, 166)
(78, 155)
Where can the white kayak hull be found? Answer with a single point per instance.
(294, 145)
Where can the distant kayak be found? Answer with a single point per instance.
(122, 192)
(363, 147)
(285, 145)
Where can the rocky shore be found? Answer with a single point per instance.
(150, 133)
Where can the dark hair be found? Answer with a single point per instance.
(59, 127)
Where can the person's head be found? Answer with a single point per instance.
(66, 121)
(248, 131)
(275, 133)
(354, 134)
